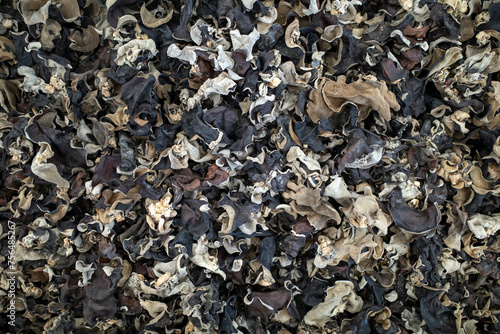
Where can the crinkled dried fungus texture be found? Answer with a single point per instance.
(246, 166)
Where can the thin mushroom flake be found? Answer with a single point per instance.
(250, 166)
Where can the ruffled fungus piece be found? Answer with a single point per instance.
(331, 97)
(410, 219)
(339, 298)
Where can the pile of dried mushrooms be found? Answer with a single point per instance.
(251, 166)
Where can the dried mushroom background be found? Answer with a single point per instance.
(246, 166)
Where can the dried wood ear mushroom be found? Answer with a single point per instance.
(250, 166)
